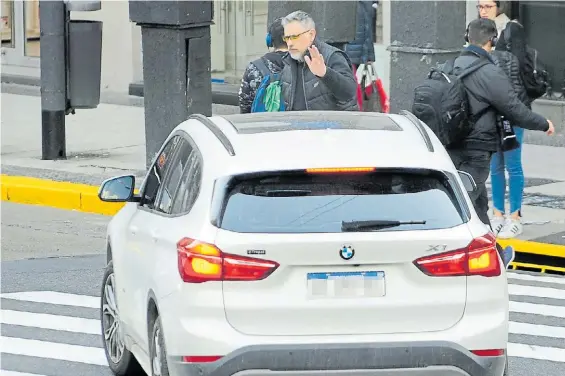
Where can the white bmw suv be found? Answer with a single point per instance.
(302, 243)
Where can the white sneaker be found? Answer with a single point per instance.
(497, 223)
(511, 229)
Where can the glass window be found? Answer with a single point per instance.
(172, 180)
(302, 203)
(189, 186)
(158, 172)
(544, 28)
(7, 16)
(31, 22)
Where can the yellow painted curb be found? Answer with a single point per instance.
(535, 248)
(62, 195)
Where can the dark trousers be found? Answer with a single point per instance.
(477, 164)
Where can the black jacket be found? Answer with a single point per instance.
(336, 91)
(491, 93)
(510, 65)
(517, 43)
(361, 49)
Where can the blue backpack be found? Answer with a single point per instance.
(268, 97)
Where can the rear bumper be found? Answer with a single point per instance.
(402, 359)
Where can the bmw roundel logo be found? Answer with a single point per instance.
(346, 252)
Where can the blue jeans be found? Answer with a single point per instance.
(512, 162)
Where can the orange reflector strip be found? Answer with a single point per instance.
(337, 170)
(489, 352)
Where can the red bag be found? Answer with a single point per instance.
(373, 98)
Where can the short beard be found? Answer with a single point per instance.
(298, 57)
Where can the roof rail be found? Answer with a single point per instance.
(216, 131)
(414, 120)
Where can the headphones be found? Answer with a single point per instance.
(493, 39)
(272, 27)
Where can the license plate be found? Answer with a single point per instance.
(368, 284)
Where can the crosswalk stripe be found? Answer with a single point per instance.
(520, 350)
(536, 330)
(15, 373)
(52, 350)
(537, 309)
(54, 322)
(92, 326)
(539, 292)
(96, 356)
(535, 278)
(53, 297)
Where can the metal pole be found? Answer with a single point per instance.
(53, 79)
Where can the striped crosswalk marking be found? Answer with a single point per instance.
(52, 350)
(537, 315)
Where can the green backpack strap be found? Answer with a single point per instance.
(273, 97)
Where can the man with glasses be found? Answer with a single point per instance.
(316, 76)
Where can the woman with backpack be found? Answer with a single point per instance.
(510, 56)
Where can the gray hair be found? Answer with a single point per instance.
(299, 16)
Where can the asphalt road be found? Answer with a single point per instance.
(39, 232)
(52, 264)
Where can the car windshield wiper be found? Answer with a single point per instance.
(375, 224)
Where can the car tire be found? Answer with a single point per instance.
(158, 352)
(120, 360)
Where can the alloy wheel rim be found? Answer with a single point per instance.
(157, 355)
(113, 338)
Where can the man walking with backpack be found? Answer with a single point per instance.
(269, 64)
(464, 115)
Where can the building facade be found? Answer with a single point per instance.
(238, 36)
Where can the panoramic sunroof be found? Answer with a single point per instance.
(311, 120)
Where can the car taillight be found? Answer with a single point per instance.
(201, 262)
(479, 258)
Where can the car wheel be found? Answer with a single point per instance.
(120, 359)
(158, 352)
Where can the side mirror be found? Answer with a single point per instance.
(118, 189)
(468, 181)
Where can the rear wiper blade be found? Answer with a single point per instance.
(376, 224)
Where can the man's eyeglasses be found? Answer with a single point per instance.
(286, 38)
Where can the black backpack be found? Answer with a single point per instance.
(534, 76)
(441, 102)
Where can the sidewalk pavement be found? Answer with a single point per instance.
(109, 141)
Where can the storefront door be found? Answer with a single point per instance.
(238, 36)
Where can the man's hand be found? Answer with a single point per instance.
(315, 62)
(551, 129)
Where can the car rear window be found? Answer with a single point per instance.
(320, 203)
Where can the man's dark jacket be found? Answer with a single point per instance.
(489, 87)
(361, 49)
(336, 91)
